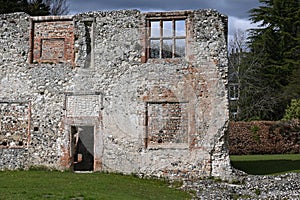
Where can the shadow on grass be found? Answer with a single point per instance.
(267, 167)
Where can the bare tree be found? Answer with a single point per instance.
(237, 50)
(239, 41)
(57, 7)
(249, 95)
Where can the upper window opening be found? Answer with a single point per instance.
(167, 38)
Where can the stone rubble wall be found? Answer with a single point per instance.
(13, 158)
(14, 123)
(110, 74)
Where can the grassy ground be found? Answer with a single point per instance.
(267, 164)
(16, 185)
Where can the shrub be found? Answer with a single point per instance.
(255, 135)
(264, 137)
(293, 110)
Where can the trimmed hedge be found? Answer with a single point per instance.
(264, 137)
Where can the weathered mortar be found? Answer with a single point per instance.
(119, 91)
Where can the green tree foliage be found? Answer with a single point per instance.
(275, 48)
(35, 7)
(38, 8)
(9, 6)
(293, 110)
(57, 7)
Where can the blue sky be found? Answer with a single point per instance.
(236, 10)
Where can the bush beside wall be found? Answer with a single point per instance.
(264, 137)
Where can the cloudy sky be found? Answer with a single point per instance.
(236, 10)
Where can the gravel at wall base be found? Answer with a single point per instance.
(285, 186)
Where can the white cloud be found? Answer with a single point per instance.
(237, 24)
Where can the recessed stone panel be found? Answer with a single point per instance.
(83, 105)
(52, 49)
(167, 122)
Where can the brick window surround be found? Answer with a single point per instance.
(52, 39)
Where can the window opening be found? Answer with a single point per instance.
(167, 38)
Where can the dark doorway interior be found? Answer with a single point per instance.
(82, 146)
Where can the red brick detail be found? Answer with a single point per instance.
(52, 40)
(66, 160)
(97, 165)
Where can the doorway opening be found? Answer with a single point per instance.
(82, 148)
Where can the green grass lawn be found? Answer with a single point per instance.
(266, 164)
(16, 185)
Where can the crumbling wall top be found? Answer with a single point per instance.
(52, 18)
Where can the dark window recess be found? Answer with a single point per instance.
(88, 42)
(167, 38)
(36, 129)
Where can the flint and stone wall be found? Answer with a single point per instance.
(158, 117)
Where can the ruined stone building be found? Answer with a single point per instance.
(118, 91)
